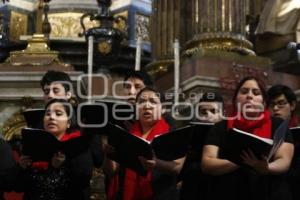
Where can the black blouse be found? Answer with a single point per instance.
(245, 183)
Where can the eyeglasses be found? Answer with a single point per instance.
(279, 104)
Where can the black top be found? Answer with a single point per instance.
(216, 136)
(8, 167)
(244, 183)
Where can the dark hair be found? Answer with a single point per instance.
(69, 110)
(159, 94)
(260, 84)
(279, 89)
(143, 76)
(56, 76)
(211, 97)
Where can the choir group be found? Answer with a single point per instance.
(204, 172)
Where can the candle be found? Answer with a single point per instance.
(138, 53)
(90, 65)
(176, 71)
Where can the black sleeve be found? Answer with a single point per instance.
(8, 167)
(215, 134)
(6, 155)
(288, 137)
(276, 123)
(96, 151)
(12, 179)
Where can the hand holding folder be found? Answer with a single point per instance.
(238, 141)
(41, 145)
(128, 148)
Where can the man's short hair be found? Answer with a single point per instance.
(139, 75)
(56, 76)
(211, 97)
(279, 89)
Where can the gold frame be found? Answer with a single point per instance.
(18, 25)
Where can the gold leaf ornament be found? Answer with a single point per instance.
(104, 47)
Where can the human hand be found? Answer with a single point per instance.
(108, 149)
(58, 159)
(259, 165)
(25, 161)
(148, 164)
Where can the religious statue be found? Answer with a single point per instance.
(279, 24)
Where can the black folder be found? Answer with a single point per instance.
(169, 146)
(41, 145)
(237, 141)
(94, 117)
(295, 131)
(199, 134)
(34, 118)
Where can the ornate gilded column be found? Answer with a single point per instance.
(170, 20)
(198, 24)
(219, 25)
(167, 24)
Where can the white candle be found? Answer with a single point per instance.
(90, 65)
(138, 53)
(176, 71)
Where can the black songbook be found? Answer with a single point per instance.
(128, 147)
(238, 141)
(34, 118)
(295, 131)
(95, 116)
(41, 145)
(199, 134)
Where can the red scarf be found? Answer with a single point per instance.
(137, 187)
(261, 127)
(42, 165)
(68, 136)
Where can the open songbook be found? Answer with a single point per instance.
(34, 118)
(128, 147)
(94, 117)
(41, 145)
(238, 141)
